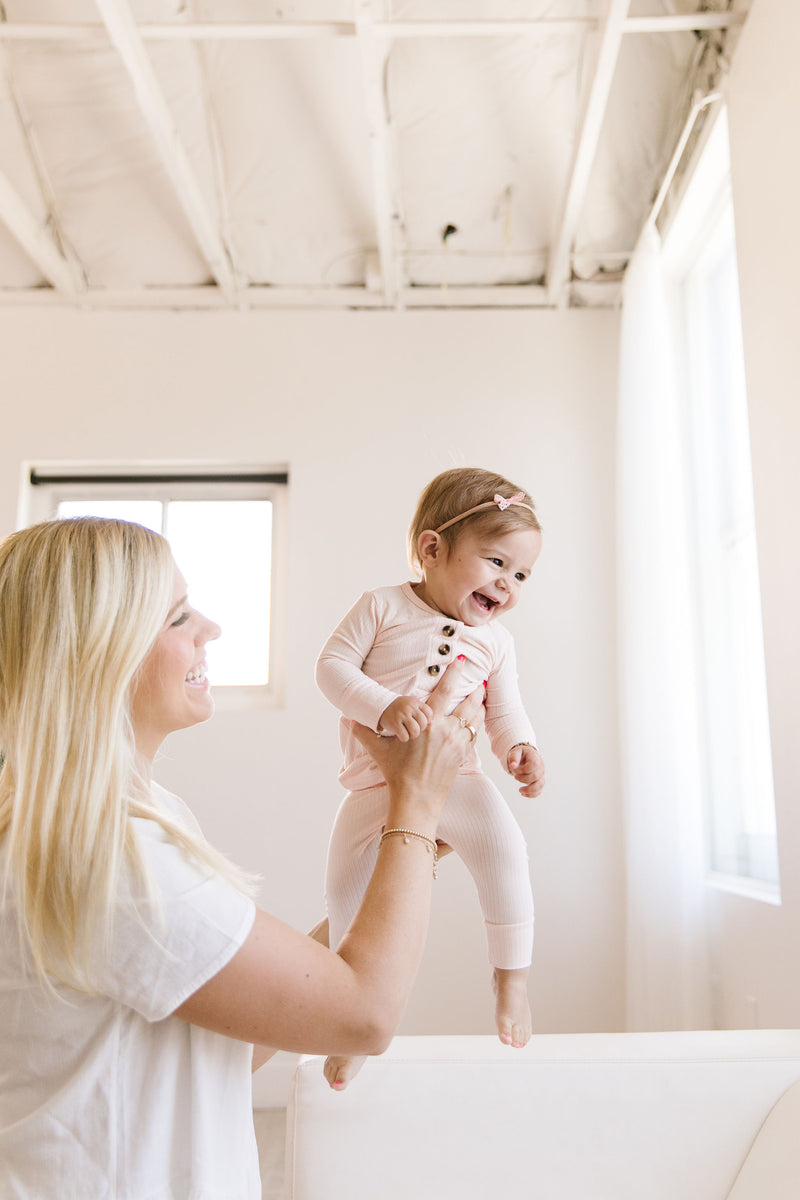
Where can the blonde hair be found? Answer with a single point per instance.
(81, 604)
(461, 488)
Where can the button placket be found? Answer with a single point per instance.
(444, 648)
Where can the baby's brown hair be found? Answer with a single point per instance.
(456, 491)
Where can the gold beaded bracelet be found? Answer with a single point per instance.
(430, 844)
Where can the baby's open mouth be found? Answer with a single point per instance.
(484, 602)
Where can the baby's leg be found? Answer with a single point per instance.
(352, 853)
(480, 827)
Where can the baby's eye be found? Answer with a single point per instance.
(181, 620)
(498, 562)
(521, 576)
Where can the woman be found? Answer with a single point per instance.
(135, 971)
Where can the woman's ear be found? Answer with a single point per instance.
(430, 548)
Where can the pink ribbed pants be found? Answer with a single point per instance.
(478, 824)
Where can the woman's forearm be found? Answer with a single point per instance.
(283, 990)
(385, 941)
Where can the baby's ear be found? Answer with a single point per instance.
(430, 548)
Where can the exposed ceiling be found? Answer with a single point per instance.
(341, 153)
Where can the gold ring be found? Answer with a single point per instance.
(473, 733)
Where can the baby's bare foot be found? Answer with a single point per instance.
(512, 1011)
(339, 1071)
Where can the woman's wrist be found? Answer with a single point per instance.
(414, 808)
(408, 835)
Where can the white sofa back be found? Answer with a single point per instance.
(665, 1116)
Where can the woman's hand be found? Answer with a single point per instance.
(430, 761)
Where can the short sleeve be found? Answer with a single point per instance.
(163, 951)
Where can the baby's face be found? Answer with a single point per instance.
(483, 574)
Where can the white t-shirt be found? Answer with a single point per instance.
(109, 1097)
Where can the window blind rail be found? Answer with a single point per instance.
(40, 478)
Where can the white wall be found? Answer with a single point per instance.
(754, 945)
(365, 408)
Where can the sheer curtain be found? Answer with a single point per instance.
(668, 983)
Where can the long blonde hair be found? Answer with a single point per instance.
(81, 604)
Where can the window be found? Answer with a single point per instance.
(225, 529)
(701, 255)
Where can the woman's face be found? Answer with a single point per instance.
(171, 691)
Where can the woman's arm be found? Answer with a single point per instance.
(262, 1054)
(285, 990)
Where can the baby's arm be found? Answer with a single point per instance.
(510, 731)
(405, 717)
(526, 764)
(339, 671)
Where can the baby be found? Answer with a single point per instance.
(473, 541)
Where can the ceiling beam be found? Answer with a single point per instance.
(56, 240)
(36, 241)
(388, 215)
(610, 38)
(270, 30)
(598, 293)
(121, 28)
(684, 22)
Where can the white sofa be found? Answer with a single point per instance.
(665, 1116)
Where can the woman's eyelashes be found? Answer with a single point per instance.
(181, 620)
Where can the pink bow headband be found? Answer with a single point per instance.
(502, 503)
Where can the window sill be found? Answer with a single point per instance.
(750, 889)
(245, 699)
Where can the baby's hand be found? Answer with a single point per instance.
(406, 717)
(526, 764)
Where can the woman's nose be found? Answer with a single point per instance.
(209, 631)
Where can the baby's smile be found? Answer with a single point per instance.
(485, 602)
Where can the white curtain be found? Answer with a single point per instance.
(668, 984)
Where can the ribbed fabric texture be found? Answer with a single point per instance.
(478, 824)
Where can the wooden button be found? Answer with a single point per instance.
(434, 669)
(444, 648)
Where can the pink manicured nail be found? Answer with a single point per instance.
(462, 658)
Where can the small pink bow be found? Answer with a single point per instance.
(503, 504)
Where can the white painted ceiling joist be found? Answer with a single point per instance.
(610, 38)
(388, 217)
(271, 30)
(47, 237)
(121, 27)
(255, 297)
(36, 241)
